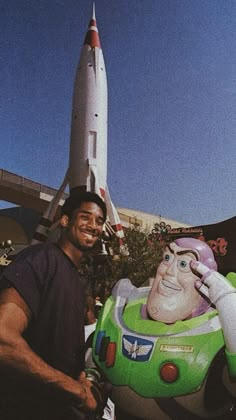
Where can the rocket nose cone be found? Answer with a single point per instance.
(92, 36)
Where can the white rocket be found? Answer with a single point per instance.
(88, 146)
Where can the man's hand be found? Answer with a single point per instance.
(89, 400)
(94, 395)
(100, 389)
(212, 284)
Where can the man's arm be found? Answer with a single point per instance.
(16, 354)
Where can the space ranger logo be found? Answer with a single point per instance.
(136, 348)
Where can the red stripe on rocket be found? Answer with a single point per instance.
(88, 146)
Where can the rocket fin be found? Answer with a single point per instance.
(113, 215)
(42, 230)
(113, 225)
(115, 222)
(94, 186)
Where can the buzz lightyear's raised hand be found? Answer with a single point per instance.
(223, 295)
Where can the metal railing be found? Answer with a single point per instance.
(22, 182)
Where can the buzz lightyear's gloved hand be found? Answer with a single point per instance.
(212, 284)
(223, 295)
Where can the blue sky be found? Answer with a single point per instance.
(172, 99)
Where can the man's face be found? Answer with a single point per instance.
(173, 296)
(85, 227)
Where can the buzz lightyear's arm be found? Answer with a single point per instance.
(223, 295)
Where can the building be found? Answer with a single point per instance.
(18, 223)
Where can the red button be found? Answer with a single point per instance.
(169, 372)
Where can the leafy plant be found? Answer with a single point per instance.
(102, 272)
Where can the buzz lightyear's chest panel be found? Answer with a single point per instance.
(136, 348)
(154, 367)
(152, 359)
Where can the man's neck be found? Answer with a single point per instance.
(71, 251)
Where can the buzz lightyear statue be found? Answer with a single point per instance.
(170, 350)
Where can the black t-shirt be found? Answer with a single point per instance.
(50, 284)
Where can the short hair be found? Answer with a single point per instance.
(75, 200)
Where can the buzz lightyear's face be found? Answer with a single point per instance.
(173, 296)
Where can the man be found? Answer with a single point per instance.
(42, 306)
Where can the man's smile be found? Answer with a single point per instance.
(89, 235)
